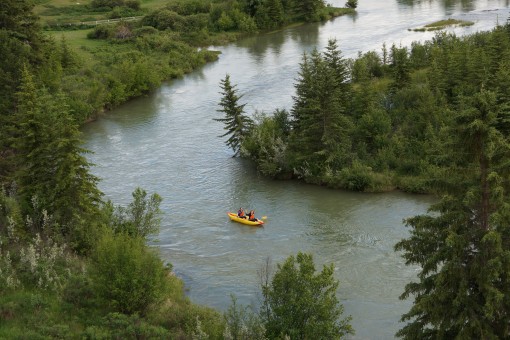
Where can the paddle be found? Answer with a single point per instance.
(264, 217)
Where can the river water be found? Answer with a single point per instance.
(168, 143)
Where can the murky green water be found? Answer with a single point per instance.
(167, 142)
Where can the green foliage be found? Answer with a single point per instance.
(400, 65)
(366, 67)
(357, 177)
(164, 19)
(242, 322)
(121, 326)
(40, 262)
(127, 276)
(308, 10)
(189, 7)
(51, 162)
(351, 3)
(270, 14)
(266, 144)
(320, 134)
(302, 304)
(463, 247)
(236, 123)
(141, 218)
(133, 4)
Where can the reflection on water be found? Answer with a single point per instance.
(168, 143)
(452, 6)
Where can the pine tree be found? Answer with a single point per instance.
(236, 123)
(463, 249)
(320, 126)
(20, 43)
(51, 162)
(275, 12)
(304, 141)
(401, 68)
(308, 9)
(338, 125)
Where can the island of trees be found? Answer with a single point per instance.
(431, 117)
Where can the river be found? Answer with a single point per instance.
(168, 143)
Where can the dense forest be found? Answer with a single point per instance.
(431, 117)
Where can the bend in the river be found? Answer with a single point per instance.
(168, 143)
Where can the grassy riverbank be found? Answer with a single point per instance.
(442, 24)
(162, 40)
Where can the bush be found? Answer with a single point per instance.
(242, 322)
(189, 7)
(164, 19)
(126, 274)
(141, 218)
(302, 304)
(101, 32)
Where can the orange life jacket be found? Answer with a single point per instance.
(251, 216)
(241, 213)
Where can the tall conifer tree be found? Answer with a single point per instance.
(320, 127)
(463, 288)
(236, 123)
(51, 162)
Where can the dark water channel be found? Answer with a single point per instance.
(167, 143)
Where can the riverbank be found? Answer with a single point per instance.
(167, 142)
(167, 43)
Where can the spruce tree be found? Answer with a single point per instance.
(51, 162)
(308, 9)
(401, 68)
(463, 248)
(321, 128)
(303, 140)
(236, 123)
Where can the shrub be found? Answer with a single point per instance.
(242, 322)
(141, 217)
(101, 32)
(302, 304)
(126, 274)
(189, 7)
(164, 19)
(145, 30)
(120, 326)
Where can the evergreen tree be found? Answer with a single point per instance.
(400, 64)
(21, 43)
(275, 12)
(308, 9)
(320, 126)
(236, 123)
(303, 141)
(52, 168)
(335, 95)
(302, 304)
(463, 249)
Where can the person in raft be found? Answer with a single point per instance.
(240, 213)
(251, 215)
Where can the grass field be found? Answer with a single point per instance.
(77, 40)
(53, 12)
